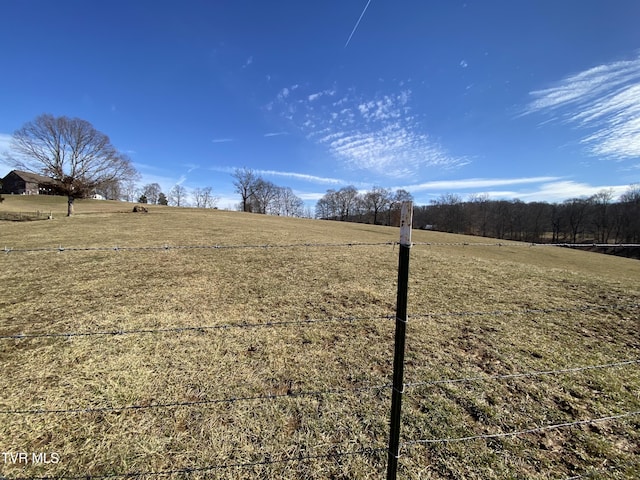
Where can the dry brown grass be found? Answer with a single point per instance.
(97, 291)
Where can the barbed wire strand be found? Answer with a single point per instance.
(271, 396)
(226, 326)
(285, 323)
(511, 243)
(522, 375)
(521, 432)
(300, 458)
(60, 248)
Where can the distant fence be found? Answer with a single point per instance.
(405, 389)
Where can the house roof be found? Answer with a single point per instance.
(32, 177)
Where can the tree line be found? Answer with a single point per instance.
(262, 196)
(379, 206)
(594, 219)
(179, 196)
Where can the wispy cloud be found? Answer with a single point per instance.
(530, 189)
(303, 176)
(248, 62)
(222, 140)
(275, 134)
(566, 189)
(299, 176)
(317, 95)
(475, 183)
(604, 100)
(378, 134)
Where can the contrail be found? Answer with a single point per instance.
(357, 23)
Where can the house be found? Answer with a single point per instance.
(26, 183)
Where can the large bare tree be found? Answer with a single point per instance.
(152, 192)
(178, 196)
(79, 158)
(245, 183)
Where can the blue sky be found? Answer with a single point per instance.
(537, 100)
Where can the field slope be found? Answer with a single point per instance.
(272, 358)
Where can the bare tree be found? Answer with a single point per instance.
(401, 195)
(601, 220)
(203, 197)
(111, 190)
(245, 183)
(152, 192)
(178, 196)
(129, 189)
(630, 201)
(377, 200)
(287, 204)
(263, 195)
(72, 152)
(347, 200)
(327, 206)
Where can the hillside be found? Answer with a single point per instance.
(270, 356)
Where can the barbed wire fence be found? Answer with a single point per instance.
(124, 248)
(396, 388)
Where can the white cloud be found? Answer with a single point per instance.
(303, 176)
(564, 190)
(539, 189)
(222, 140)
(377, 134)
(284, 93)
(464, 64)
(275, 134)
(248, 62)
(311, 197)
(603, 99)
(475, 183)
(317, 95)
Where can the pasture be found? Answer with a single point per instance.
(275, 362)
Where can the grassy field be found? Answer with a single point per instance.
(261, 383)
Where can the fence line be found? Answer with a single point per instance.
(116, 248)
(514, 243)
(337, 391)
(201, 328)
(367, 451)
(522, 375)
(286, 323)
(521, 432)
(271, 396)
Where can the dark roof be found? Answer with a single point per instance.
(32, 177)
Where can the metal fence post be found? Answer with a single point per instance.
(406, 217)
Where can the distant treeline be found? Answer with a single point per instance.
(596, 219)
(379, 206)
